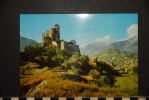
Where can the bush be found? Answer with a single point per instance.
(81, 64)
(34, 50)
(59, 59)
(70, 72)
(75, 70)
(134, 67)
(105, 80)
(84, 58)
(58, 68)
(45, 61)
(94, 73)
(106, 69)
(49, 52)
(66, 53)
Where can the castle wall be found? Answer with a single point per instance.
(62, 45)
(43, 38)
(54, 43)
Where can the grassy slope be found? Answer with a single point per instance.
(46, 82)
(128, 83)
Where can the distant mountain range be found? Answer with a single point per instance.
(127, 45)
(26, 42)
(93, 48)
(97, 47)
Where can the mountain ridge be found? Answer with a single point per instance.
(93, 48)
(26, 42)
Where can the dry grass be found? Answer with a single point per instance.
(49, 83)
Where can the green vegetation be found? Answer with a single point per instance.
(117, 58)
(128, 83)
(49, 71)
(104, 80)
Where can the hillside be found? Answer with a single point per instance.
(127, 45)
(54, 72)
(93, 48)
(26, 42)
(97, 47)
(117, 57)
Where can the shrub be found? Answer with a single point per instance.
(106, 69)
(81, 63)
(45, 61)
(134, 67)
(94, 73)
(105, 80)
(70, 72)
(49, 52)
(66, 53)
(34, 50)
(75, 70)
(59, 59)
(84, 58)
(58, 68)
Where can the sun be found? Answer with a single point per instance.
(83, 16)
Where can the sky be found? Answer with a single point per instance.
(84, 28)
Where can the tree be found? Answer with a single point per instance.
(94, 73)
(106, 69)
(73, 41)
(58, 59)
(104, 80)
(33, 50)
(85, 65)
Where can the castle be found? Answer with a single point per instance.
(52, 37)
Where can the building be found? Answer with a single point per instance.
(52, 38)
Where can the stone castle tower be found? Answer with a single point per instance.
(52, 36)
(53, 33)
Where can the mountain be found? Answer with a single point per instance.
(127, 45)
(97, 47)
(120, 53)
(26, 42)
(93, 48)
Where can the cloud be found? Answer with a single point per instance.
(132, 30)
(79, 36)
(103, 39)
